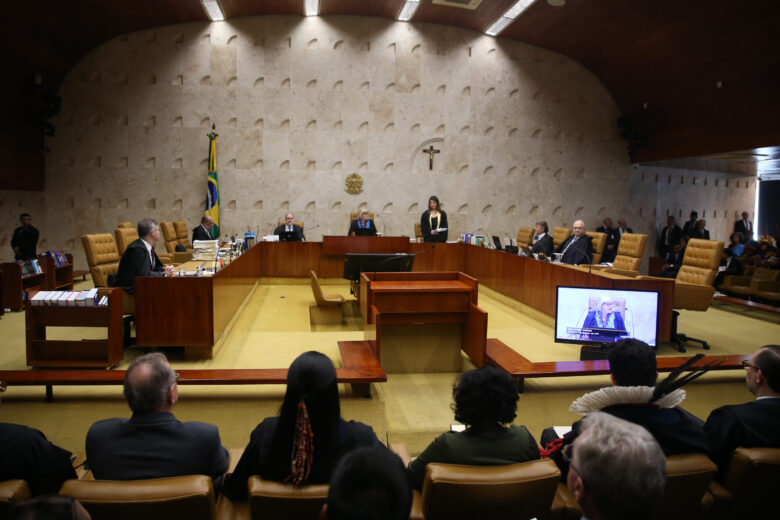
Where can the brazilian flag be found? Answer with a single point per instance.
(212, 193)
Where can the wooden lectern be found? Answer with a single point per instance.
(420, 321)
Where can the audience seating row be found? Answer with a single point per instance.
(746, 489)
(763, 284)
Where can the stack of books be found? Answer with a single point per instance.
(58, 256)
(30, 266)
(89, 298)
(205, 250)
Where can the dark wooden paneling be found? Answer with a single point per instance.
(341, 245)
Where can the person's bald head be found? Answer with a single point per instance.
(150, 384)
(579, 228)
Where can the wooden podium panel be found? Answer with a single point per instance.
(419, 322)
(342, 245)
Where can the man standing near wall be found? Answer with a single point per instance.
(25, 239)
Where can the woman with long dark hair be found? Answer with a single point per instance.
(305, 442)
(433, 220)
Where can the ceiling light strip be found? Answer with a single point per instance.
(213, 10)
(408, 10)
(506, 18)
(311, 7)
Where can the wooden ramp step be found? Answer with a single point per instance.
(360, 369)
(502, 356)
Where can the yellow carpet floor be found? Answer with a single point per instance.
(412, 408)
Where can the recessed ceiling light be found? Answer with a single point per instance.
(408, 10)
(213, 10)
(506, 18)
(311, 7)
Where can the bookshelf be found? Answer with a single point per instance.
(103, 353)
(16, 283)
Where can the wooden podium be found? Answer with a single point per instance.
(420, 321)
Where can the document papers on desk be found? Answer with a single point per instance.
(205, 249)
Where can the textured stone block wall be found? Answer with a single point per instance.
(301, 103)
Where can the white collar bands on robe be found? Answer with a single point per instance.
(612, 395)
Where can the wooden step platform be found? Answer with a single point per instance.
(502, 356)
(361, 368)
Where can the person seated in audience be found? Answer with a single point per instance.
(48, 507)
(674, 260)
(633, 397)
(140, 259)
(618, 470)
(542, 243)
(736, 247)
(308, 438)
(369, 484)
(485, 400)
(578, 248)
(751, 425)
(363, 226)
(152, 443)
(26, 454)
(610, 248)
(750, 258)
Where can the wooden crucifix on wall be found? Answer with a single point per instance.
(430, 151)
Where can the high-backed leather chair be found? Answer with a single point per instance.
(525, 235)
(599, 243)
(693, 289)
(748, 487)
(190, 497)
(298, 223)
(688, 476)
(125, 224)
(183, 234)
(748, 285)
(169, 235)
(560, 234)
(102, 257)
(329, 308)
(12, 491)
(270, 500)
(525, 490)
(631, 250)
(418, 232)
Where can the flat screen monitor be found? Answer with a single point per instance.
(595, 316)
(356, 263)
(289, 236)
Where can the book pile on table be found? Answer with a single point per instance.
(89, 298)
(30, 266)
(205, 249)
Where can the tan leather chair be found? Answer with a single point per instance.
(183, 234)
(190, 497)
(688, 476)
(102, 257)
(12, 491)
(125, 225)
(418, 232)
(525, 235)
(353, 216)
(693, 289)
(599, 243)
(768, 291)
(329, 308)
(748, 487)
(169, 235)
(559, 235)
(270, 500)
(748, 285)
(526, 490)
(631, 250)
(298, 223)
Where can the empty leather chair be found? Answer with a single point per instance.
(560, 234)
(329, 308)
(102, 257)
(599, 243)
(418, 236)
(688, 476)
(748, 487)
(191, 497)
(629, 256)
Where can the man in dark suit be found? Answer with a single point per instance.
(689, 228)
(669, 236)
(26, 454)
(701, 230)
(140, 258)
(750, 425)
(542, 242)
(24, 239)
(203, 231)
(289, 226)
(153, 443)
(578, 248)
(610, 248)
(623, 228)
(744, 227)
